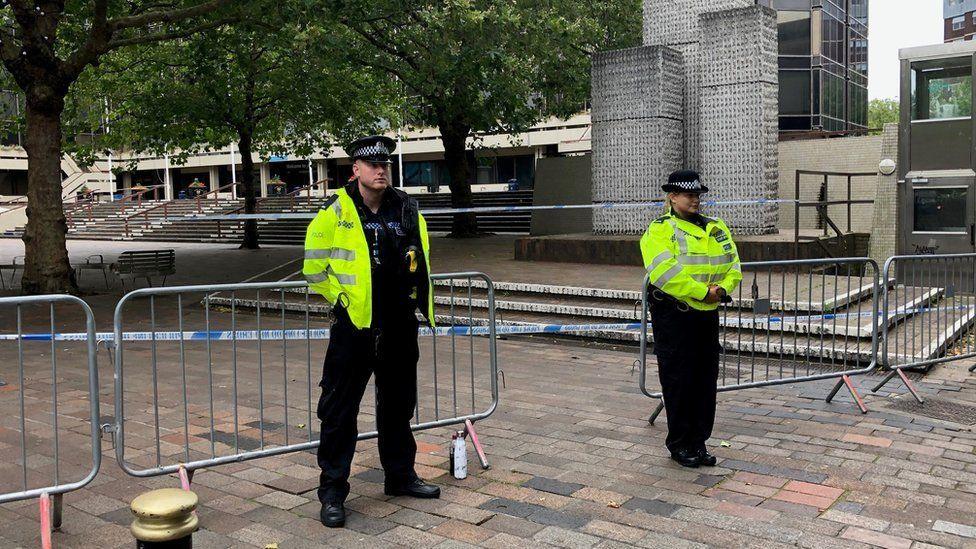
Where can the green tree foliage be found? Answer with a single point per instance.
(475, 67)
(46, 46)
(881, 112)
(272, 86)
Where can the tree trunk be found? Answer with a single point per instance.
(250, 241)
(46, 266)
(453, 136)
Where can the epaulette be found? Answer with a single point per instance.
(328, 201)
(661, 219)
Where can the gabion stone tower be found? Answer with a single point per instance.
(637, 120)
(739, 115)
(707, 101)
(676, 24)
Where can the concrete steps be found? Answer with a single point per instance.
(838, 330)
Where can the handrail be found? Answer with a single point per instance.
(308, 195)
(257, 203)
(165, 206)
(214, 192)
(821, 205)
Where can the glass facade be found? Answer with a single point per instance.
(942, 89)
(823, 64)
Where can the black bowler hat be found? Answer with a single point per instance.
(684, 181)
(374, 148)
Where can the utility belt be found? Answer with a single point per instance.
(659, 298)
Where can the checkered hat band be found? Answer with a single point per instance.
(373, 150)
(688, 185)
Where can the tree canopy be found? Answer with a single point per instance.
(473, 67)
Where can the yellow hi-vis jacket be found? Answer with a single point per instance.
(337, 260)
(682, 259)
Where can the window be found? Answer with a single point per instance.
(794, 92)
(794, 32)
(942, 89)
(940, 210)
(958, 23)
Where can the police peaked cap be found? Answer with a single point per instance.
(374, 148)
(684, 181)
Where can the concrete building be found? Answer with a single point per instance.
(497, 161)
(936, 160)
(960, 19)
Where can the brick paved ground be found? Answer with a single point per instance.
(574, 464)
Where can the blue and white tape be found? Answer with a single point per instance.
(323, 333)
(316, 334)
(486, 209)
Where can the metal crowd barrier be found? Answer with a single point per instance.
(49, 435)
(935, 298)
(233, 375)
(791, 322)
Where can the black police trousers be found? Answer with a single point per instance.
(352, 357)
(687, 348)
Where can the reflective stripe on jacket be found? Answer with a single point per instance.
(337, 260)
(683, 259)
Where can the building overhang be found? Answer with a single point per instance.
(937, 51)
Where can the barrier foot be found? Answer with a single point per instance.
(657, 411)
(186, 478)
(884, 381)
(45, 508)
(904, 379)
(846, 380)
(972, 368)
(469, 429)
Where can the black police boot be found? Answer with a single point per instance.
(415, 489)
(706, 459)
(687, 458)
(333, 515)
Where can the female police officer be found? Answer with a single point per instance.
(692, 265)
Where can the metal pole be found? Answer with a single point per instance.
(848, 202)
(233, 173)
(400, 160)
(796, 217)
(111, 178)
(169, 190)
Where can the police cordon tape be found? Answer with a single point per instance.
(490, 209)
(323, 333)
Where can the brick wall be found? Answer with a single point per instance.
(884, 226)
(844, 154)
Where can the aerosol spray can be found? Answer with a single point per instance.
(459, 456)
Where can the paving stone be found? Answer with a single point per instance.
(875, 538)
(462, 531)
(552, 486)
(375, 476)
(512, 525)
(561, 537)
(614, 531)
(770, 470)
(963, 530)
(411, 537)
(552, 517)
(510, 507)
(415, 519)
(652, 506)
(281, 500)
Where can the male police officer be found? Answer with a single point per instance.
(367, 253)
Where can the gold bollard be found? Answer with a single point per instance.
(165, 519)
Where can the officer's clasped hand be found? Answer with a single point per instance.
(715, 294)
